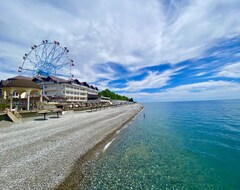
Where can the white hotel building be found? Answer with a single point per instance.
(68, 90)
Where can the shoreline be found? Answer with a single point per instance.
(76, 176)
(49, 154)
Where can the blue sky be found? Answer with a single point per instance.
(155, 50)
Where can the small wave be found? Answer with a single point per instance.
(231, 128)
(107, 145)
(125, 126)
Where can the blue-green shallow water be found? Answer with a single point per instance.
(183, 145)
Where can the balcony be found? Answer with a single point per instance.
(50, 89)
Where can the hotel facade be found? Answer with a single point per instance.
(66, 90)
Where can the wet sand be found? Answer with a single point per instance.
(43, 154)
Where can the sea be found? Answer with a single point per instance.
(173, 145)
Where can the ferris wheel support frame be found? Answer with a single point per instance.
(47, 64)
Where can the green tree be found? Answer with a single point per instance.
(131, 100)
(112, 95)
(3, 104)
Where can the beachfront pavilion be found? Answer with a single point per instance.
(21, 89)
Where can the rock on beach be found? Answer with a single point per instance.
(39, 154)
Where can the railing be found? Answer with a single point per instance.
(76, 90)
(50, 88)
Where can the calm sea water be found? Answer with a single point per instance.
(180, 145)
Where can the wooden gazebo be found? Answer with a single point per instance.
(21, 88)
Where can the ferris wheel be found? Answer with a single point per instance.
(47, 59)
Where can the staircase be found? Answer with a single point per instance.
(46, 97)
(15, 117)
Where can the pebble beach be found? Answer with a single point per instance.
(41, 154)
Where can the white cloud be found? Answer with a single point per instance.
(232, 71)
(95, 32)
(200, 74)
(152, 80)
(202, 86)
(134, 33)
(198, 91)
(103, 85)
(197, 26)
(5, 75)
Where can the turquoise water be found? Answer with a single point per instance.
(180, 145)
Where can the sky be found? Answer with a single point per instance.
(154, 50)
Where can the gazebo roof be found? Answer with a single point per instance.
(22, 83)
(20, 77)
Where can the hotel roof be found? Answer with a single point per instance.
(40, 79)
